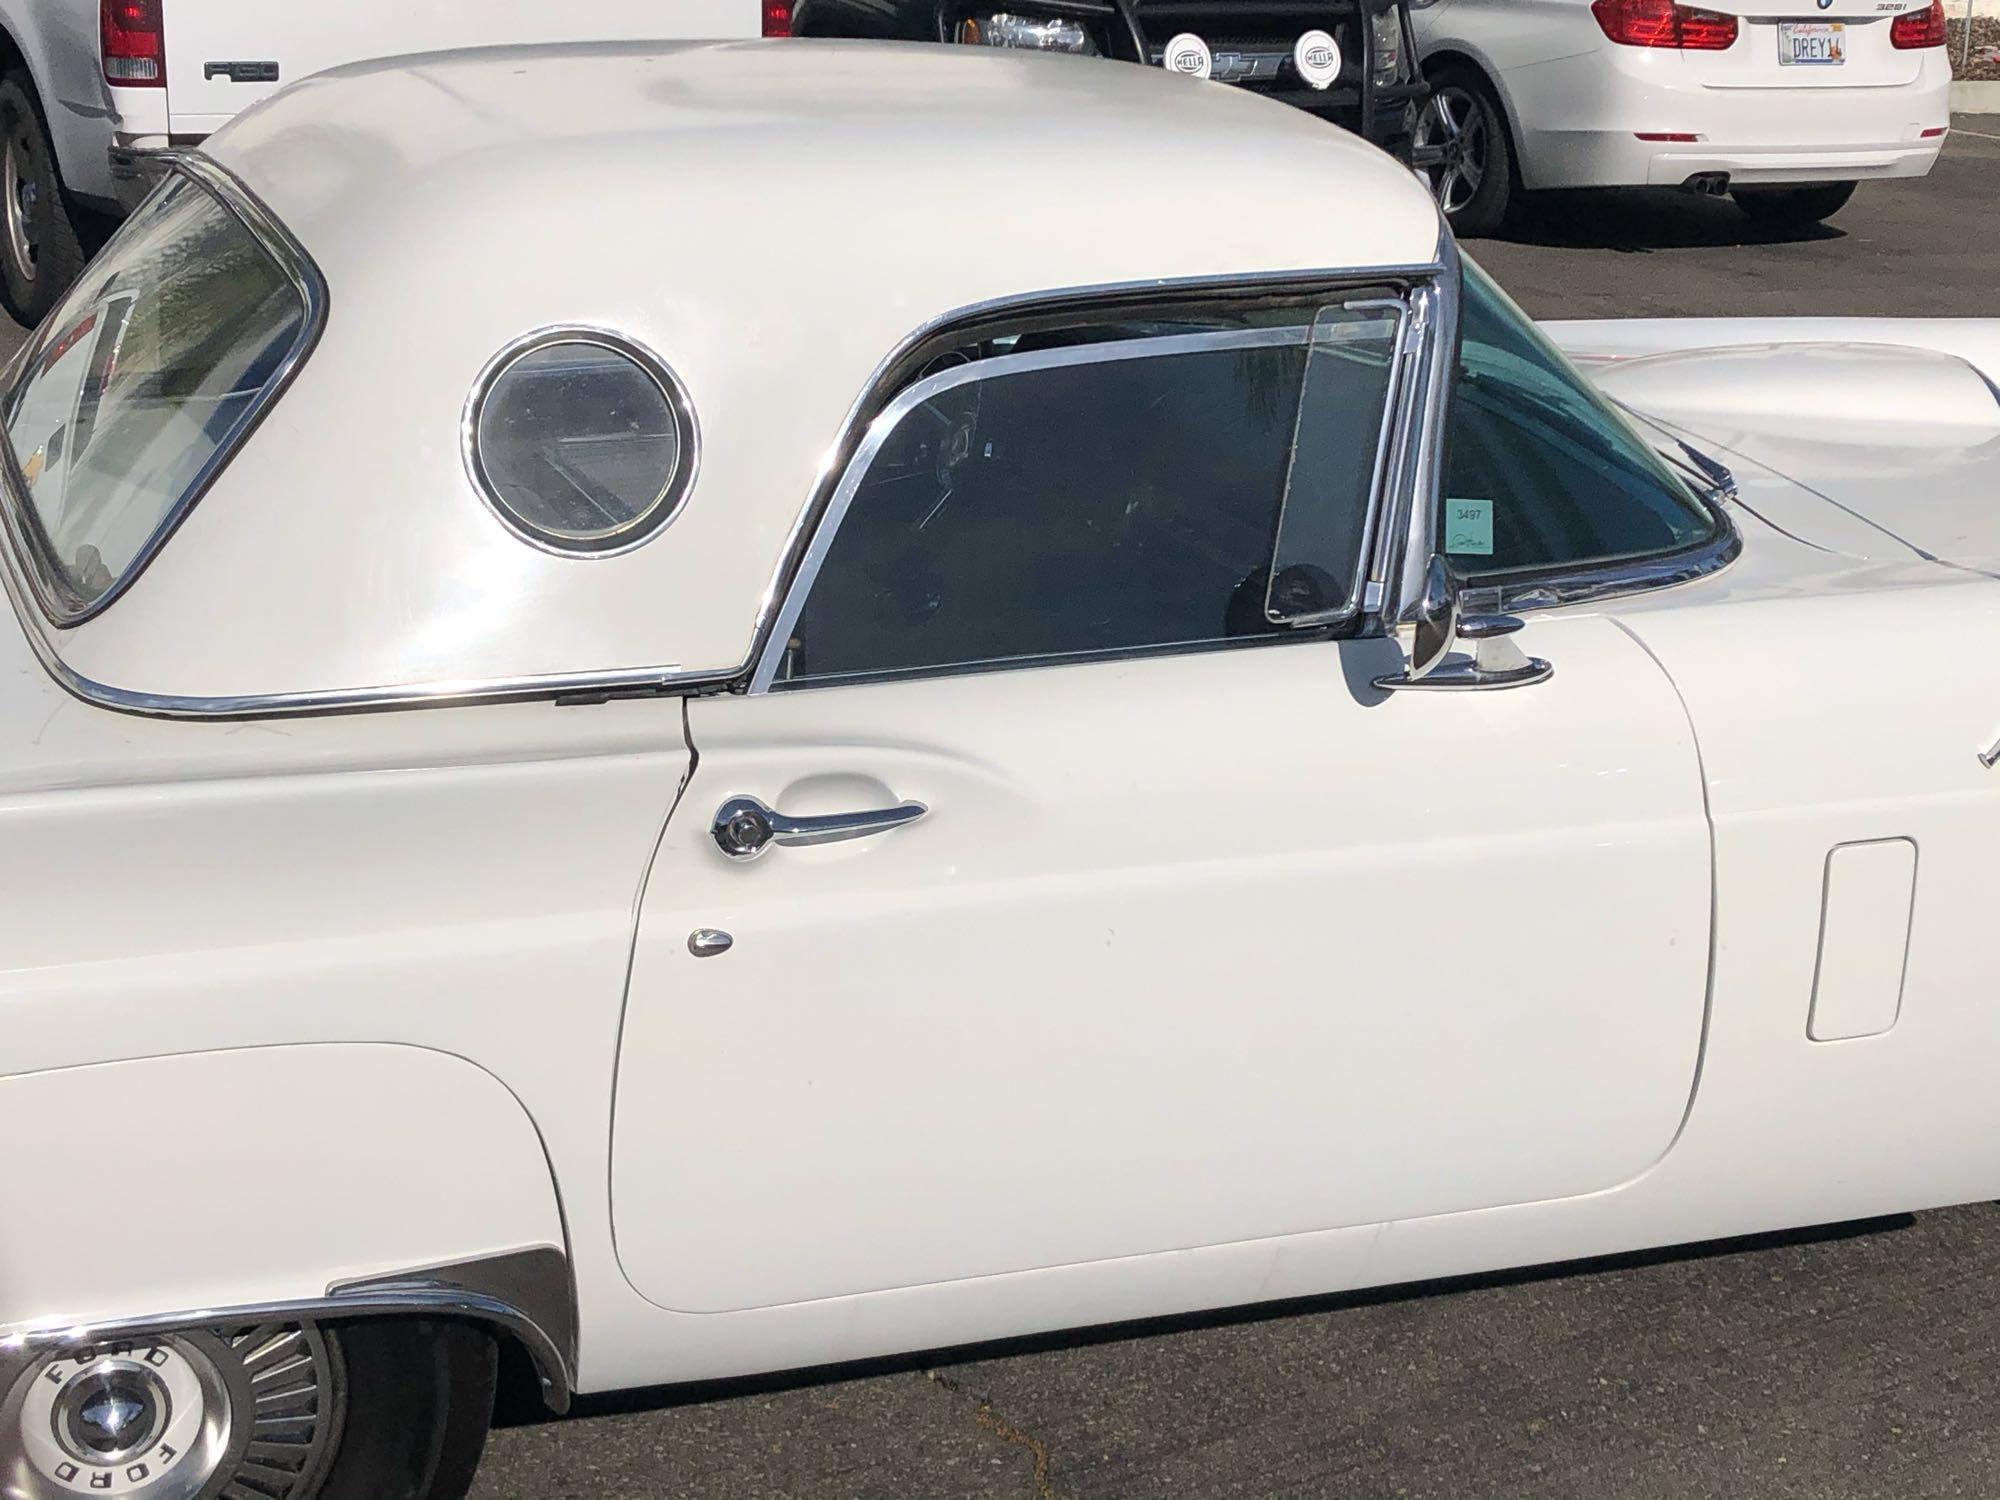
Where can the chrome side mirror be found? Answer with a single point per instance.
(1437, 622)
(1496, 662)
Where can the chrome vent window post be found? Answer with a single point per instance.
(1407, 538)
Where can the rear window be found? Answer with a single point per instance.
(139, 385)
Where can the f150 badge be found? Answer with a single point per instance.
(241, 72)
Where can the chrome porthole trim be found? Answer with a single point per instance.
(668, 501)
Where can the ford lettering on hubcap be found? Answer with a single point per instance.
(242, 1414)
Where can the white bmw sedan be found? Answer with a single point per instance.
(713, 709)
(1785, 106)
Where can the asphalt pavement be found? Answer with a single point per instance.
(1862, 1362)
(1927, 248)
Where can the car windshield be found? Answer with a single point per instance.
(1544, 473)
(142, 379)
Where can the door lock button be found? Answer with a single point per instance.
(744, 832)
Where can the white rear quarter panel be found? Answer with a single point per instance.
(260, 1175)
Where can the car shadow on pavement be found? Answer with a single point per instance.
(1640, 220)
(520, 1405)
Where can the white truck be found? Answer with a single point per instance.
(92, 91)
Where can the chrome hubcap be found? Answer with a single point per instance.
(1455, 125)
(241, 1414)
(21, 199)
(115, 1411)
(148, 1420)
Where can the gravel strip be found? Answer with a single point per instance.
(1985, 62)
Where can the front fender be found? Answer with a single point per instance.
(133, 1191)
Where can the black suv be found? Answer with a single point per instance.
(1367, 82)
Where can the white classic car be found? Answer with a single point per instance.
(629, 738)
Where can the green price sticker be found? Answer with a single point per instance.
(1468, 527)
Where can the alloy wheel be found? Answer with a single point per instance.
(21, 195)
(1454, 124)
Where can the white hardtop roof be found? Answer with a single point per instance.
(772, 219)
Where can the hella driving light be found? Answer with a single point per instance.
(1003, 28)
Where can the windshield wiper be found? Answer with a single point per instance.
(1717, 482)
(1715, 475)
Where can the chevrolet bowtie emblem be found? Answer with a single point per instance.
(1240, 67)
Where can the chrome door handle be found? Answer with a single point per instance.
(744, 827)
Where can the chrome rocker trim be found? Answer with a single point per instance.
(525, 1294)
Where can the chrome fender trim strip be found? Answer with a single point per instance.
(526, 1294)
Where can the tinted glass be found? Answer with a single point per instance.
(1069, 502)
(1542, 472)
(151, 365)
(579, 445)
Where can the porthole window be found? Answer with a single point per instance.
(581, 442)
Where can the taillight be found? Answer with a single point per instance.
(133, 43)
(1918, 28)
(1663, 23)
(777, 17)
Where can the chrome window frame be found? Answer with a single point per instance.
(57, 604)
(890, 372)
(1561, 587)
(1403, 532)
(668, 501)
(896, 403)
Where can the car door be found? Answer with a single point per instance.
(1425, 18)
(1114, 910)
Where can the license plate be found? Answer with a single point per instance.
(1816, 44)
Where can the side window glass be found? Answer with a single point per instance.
(142, 381)
(1338, 452)
(1542, 473)
(1139, 486)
